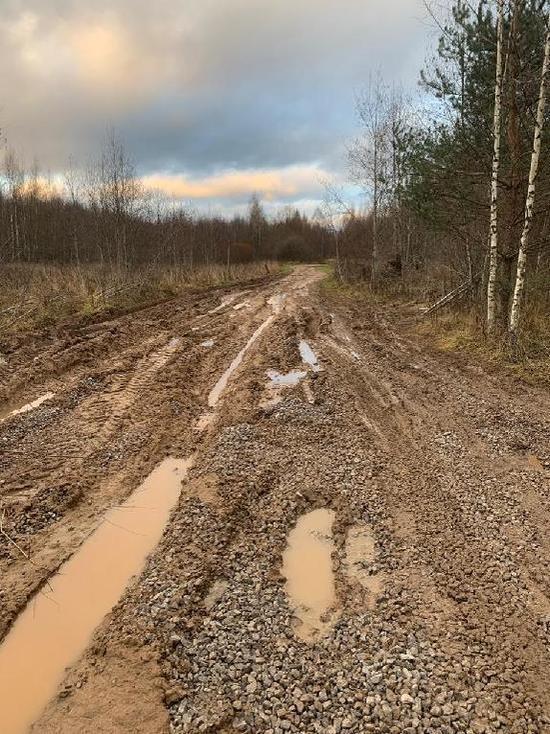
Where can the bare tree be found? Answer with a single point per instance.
(15, 179)
(370, 154)
(114, 193)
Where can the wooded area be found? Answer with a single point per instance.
(456, 185)
(105, 215)
(459, 185)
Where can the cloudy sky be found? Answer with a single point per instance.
(213, 98)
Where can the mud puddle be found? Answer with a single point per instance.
(288, 379)
(57, 624)
(308, 355)
(279, 381)
(307, 567)
(221, 384)
(28, 406)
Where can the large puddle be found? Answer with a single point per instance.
(307, 567)
(55, 627)
(221, 384)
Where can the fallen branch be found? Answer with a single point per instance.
(453, 295)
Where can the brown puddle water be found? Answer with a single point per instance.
(307, 567)
(57, 624)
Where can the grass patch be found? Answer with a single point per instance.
(286, 268)
(327, 267)
(38, 296)
(358, 291)
(527, 357)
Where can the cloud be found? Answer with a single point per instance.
(274, 184)
(103, 55)
(200, 86)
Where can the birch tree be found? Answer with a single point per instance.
(515, 312)
(369, 156)
(493, 247)
(15, 177)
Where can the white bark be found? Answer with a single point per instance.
(519, 288)
(493, 246)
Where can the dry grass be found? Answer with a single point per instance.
(358, 290)
(35, 296)
(527, 357)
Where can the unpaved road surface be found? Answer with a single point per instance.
(361, 543)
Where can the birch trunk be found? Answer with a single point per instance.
(493, 246)
(519, 288)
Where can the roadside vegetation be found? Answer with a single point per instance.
(459, 329)
(35, 296)
(455, 185)
(458, 184)
(98, 242)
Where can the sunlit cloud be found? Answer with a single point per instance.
(109, 57)
(261, 90)
(289, 182)
(102, 52)
(101, 60)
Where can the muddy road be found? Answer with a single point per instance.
(305, 519)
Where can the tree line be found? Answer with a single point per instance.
(459, 182)
(456, 185)
(104, 215)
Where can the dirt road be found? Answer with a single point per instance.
(361, 543)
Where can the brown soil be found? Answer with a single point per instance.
(445, 623)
